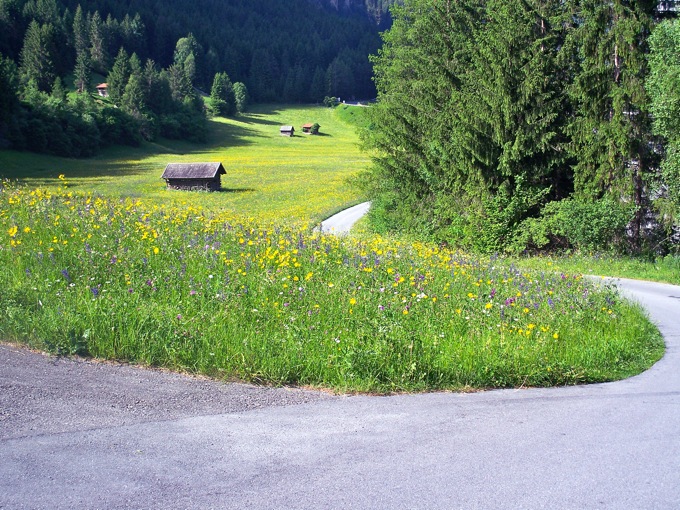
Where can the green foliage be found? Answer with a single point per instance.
(281, 51)
(133, 100)
(99, 53)
(241, 97)
(118, 77)
(81, 36)
(490, 111)
(9, 81)
(186, 54)
(330, 101)
(222, 96)
(663, 86)
(82, 72)
(582, 225)
(58, 90)
(659, 269)
(482, 128)
(37, 56)
(260, 46)
(315, 128)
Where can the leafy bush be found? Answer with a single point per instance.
(571, 223)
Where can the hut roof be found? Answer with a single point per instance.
(308, 125)
(193, 171)
(287, 128)
(102, 85)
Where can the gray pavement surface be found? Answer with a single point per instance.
(342, 222)
(81, 434)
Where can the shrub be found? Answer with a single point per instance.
(598, 225)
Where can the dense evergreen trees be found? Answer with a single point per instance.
(277, 49)
(499, 121)
(157, 59)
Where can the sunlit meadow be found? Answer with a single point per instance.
(268, 176)
(265, 300)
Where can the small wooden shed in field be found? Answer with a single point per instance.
(311, 128)
(194, 176)
(287, 131)
(103, 89)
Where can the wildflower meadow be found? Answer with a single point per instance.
(280, 303)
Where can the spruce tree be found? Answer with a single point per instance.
(58, 90)
(99, 55)
(514, 98)
(132, 100)
(81, 36)
(222, 99)
(611, 131)
(82, 73)
(36, 59)
(180, 85)
(241, 97)
(156, 89)
(119, 76)
(468, 127)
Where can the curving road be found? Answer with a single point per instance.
(78, 434)
(342, 222)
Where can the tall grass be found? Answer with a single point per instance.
(661, 269)
(269, 301)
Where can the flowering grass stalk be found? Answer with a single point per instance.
(263, 301)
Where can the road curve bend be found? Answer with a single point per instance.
(78, 434)
(342, 222)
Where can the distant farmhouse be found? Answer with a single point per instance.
(103, 89)
(194, 176)
(287, 131)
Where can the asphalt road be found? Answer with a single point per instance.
(342, 222)
(79, 434)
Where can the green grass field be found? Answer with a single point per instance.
(269, 176)
(106, 262)
(662, 269)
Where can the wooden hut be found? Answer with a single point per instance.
(307, 128)
(287, 131)
(194, 176)
(103, 89)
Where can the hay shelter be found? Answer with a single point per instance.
(194, 176)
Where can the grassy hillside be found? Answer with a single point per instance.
(269, 176)
(108, 263)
